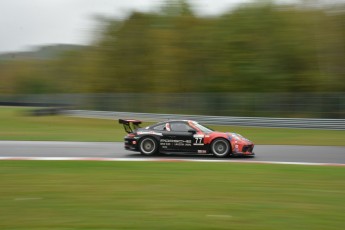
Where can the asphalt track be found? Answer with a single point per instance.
(115, 150)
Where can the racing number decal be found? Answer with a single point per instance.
(198, 140)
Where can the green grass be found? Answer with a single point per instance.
(162, 195)
(15, 124)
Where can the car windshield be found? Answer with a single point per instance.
(202, 128)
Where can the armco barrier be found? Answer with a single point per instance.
(332, 124)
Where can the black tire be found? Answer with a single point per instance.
(220, 147)
(148, 146)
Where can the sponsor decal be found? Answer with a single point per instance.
(235, 136)
(169, 142)
(150, 132)
(236, 148)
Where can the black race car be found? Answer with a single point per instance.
(183, 136)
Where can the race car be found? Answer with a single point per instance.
(183, 136)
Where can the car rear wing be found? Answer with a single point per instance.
(130, 125)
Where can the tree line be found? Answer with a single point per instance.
(258, 47)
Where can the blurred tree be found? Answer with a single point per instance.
(257, 47)
(125, 55)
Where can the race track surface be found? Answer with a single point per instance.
(264, 153)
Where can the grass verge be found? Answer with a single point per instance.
(17, 125)
(163, 195)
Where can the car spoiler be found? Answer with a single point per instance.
(129, 124)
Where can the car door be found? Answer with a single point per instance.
(178, 137)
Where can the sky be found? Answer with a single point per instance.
(25, 24)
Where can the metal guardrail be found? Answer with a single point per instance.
(331, 124)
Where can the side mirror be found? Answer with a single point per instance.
(192, 131)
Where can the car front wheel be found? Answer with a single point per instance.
(148, 146)
(220, 147)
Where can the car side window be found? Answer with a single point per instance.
(160, 127)
(179, 127)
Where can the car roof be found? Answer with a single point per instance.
(169, 121)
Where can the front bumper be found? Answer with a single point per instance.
(243, 154)
(247, 150)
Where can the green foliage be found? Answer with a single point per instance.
(255, 48)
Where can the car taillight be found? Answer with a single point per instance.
(131, 135)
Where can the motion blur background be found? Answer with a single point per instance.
(257, 58)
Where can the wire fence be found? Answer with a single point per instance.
(280, 105)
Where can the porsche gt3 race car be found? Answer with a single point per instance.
(184, 136)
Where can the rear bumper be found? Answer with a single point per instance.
(131, 144)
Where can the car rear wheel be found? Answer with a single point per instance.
(148, 146)
(220, 147)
